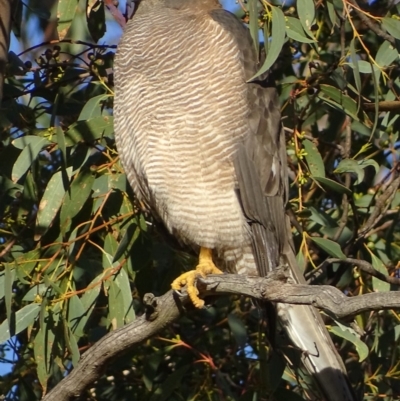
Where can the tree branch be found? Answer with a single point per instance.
(161, 311)
(370, 24)
(386, 105)
(367, 268)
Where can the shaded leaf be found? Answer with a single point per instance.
(333, 185)
(337, 99)
(90, 130)
(164, 391)
(96, 20)
(77, 316)
(92, 108)
(75, 198)
(330, 247)
(32, 146)
(23, 318)
(131, 235)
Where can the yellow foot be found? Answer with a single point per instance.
(206, 266)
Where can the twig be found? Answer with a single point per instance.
(382, 202)
(367, 268)
(371, 25)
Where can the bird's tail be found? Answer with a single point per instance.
(308, 333)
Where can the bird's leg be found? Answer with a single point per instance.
(205, 266)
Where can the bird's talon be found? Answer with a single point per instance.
(203, 269)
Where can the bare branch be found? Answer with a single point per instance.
(393, 105)
(165, 309)
(381, 205)
(370, 24)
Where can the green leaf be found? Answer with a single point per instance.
(50, 203)
(337, 99)
(332, 14)
(350, 166)
(77, 316)
(276, 43)
(73, 348)
(90, 130)
(91, 294)
(92, 108)
(295, 31)
(253, 22)
(75, 198)
(39, 352)
(120, 305)
(301, 261)
(238, 329)
(333, 185)
(32, 146)
(386, 55)
(131, 235)
(357, 167)
(9, 277)
(356, 70)
(349, 335)
(364, 67)
(377, 284)
(2, 282)
(23, 318)
(314, 159)
(122, 282)
(392, 26)
(330, 247)
(27, 262)
(36, 291)
(306, 12)
(65, 15)
(321, 217)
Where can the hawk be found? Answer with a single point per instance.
(204, 150)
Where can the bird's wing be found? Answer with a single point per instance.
(261, 171)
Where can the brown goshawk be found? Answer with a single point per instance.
(204, 150)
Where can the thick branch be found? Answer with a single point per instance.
(165, 309)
